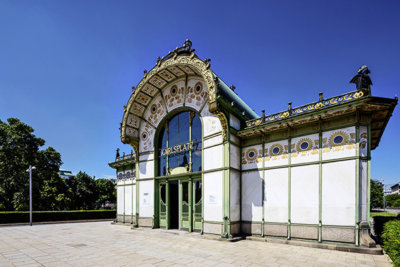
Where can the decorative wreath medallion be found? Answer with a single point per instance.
(198, 88)
(338, 138)
(251, 154)
(174, 90)
(304, 144)
(153, 109)
(276, 150)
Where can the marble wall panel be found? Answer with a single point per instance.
(363, 141)
(213, 141)
(252, 196)
(149, 156)
(128, 199)
(338, 193)
(305, 149)
(234, 195)
(146, 198)
(305, 194)
(146, 169)
(363, 190)
(339, 143)
(213, 196)
(211, 123)
(252, 157)
(276, 195)
(213, 157)
(234, 156)
(234, 122)
(276, 153)
(120, 199)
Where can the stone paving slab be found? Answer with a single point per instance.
(104, 244)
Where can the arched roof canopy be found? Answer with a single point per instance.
(182, 62)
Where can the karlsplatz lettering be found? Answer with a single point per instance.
(177, 149)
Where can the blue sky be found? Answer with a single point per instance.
(67, 67)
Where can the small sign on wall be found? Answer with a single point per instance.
(146, 199)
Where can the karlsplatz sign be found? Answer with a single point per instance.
(179, 148)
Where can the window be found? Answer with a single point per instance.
(180, 143)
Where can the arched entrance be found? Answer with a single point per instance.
(179, 172)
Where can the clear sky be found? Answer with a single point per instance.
(67, 67)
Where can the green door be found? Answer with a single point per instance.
(163, 204)
(185, 222)
(197, 204)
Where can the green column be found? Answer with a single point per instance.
(289, 183)
(263, 186)
(167, 208)
(191, 206)
(357, 181)
(320, 184)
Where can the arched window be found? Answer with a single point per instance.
(180, 143)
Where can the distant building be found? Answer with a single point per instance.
(65, 174)
(395, 189)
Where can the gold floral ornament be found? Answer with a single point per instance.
(276, 150)
(318, 105)
(338, 138)
(304, 144)
(358, 94)
(251, 154)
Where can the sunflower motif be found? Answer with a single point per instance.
(251, 154)
(174, 90)
(276, 150)
(304, 144)
(338, 138)
(198, 88)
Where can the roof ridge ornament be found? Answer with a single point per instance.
(362, 79)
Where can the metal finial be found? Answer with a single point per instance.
(233, 87)
(321, 96)
(263, 113)
(187, 43)
(290, 105)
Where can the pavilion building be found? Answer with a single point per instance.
(205, 161)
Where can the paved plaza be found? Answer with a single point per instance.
(103, 244)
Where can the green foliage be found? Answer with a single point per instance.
(391, 241)
(391, 199)
(106, 192)
(46, 216)
(379, 222)
(19, 148)
(396, 204)
(376, 194)
(381, 213)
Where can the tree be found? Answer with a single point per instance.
(106, 192)
(83, 190)
(19, 148)
(391, 199)
(376, 194)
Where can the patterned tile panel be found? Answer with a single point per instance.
(132, 132)
(137, 109)
(186, 69)
(174, 94)
(133, 121)
(196, 93)
(149, 89)
(157, 81)
(155, 111)
(339, 143)
(142, 99)
(176, 71)
(305, 148)
(166, 75)
(146, 137)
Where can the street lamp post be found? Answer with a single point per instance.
(30, 192)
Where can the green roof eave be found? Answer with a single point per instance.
(226, 93)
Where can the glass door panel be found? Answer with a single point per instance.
(197, 205)
(185, 222)
(163, 204)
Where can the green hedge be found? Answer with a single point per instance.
(45, 216)
(391, 240)
(379, 222)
